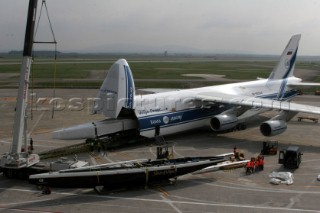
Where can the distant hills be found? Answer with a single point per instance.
(141, 49)
(119, 51)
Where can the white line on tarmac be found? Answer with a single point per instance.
(232, 205)
(296, 198)
(169, 202)
(46, 146)
(106, 157)
(94, 162)
(57, 142)
(25, 202)
(313, 160)
(174, 151)
(256, 189)
(150, 149)
(54, 141)
(9, 142)
(26, 210)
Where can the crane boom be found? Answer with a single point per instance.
(16, 159)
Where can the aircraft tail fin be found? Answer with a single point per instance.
(285, 66)
(117, 91)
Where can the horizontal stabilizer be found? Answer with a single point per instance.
(301, 84)
(95, 129)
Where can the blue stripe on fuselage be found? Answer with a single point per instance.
(282, 90)
(126, 76)
(129, 88)
(176, 118)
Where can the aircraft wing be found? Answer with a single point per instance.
(254, 102)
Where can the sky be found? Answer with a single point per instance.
(208, 26)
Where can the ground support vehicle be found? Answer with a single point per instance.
(269, 148)
(290, 157)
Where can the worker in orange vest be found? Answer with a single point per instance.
(257, 164)
(252, 164)
(261, 163)
(248, 168)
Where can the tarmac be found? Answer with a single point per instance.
(221, 191)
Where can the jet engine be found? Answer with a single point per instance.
(273, 127)
(223, 122)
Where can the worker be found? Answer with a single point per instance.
(252, 165)
(31, 143)
(46, 190)
(257, 165)
(248, 168)
(234, 149)
(261, 163)
(241, 156)
(236, 153)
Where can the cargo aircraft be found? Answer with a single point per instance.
(222, 107)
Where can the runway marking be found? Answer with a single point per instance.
(174, 151)
(9, 142)
(164, 192)
(150, 149)
(28, 210)
(8, 99)
(94, 162)
(307, 161)
(123, 154)
(42, 131)
(254, 188)
(230, 180)
(54, 141)
(108, 159)
(2, 141)
(170, 203)
(26, 202)
(296, 198)
(175, 202)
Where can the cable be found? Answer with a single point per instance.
(50, 42)
(51, 28)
